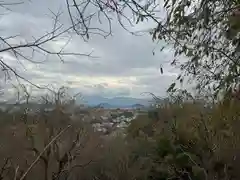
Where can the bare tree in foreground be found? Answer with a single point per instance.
(86, 19)
(38, 46)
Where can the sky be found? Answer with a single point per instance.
(124, 64)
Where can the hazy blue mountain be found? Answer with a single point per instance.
(138, 106)
(116, 102)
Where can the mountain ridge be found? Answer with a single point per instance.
(114, 102)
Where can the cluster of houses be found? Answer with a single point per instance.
(106, 121)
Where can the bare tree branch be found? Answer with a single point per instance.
(46, 147)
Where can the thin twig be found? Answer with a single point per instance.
(46, 147)
(16, 172)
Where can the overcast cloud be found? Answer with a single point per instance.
(125, 65)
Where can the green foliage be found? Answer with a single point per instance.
(195, 143)
(127, 114)
(198, 172)
(142, 124)
(207, 34)
(164, 147)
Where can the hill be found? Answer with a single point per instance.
(116, 102)
(135, 106)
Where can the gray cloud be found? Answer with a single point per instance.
(125, 67)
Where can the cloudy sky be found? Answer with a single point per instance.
(124, 64)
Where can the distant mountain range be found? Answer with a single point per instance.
(116, 102)
(94, 101)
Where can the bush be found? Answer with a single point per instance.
(187, 141)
